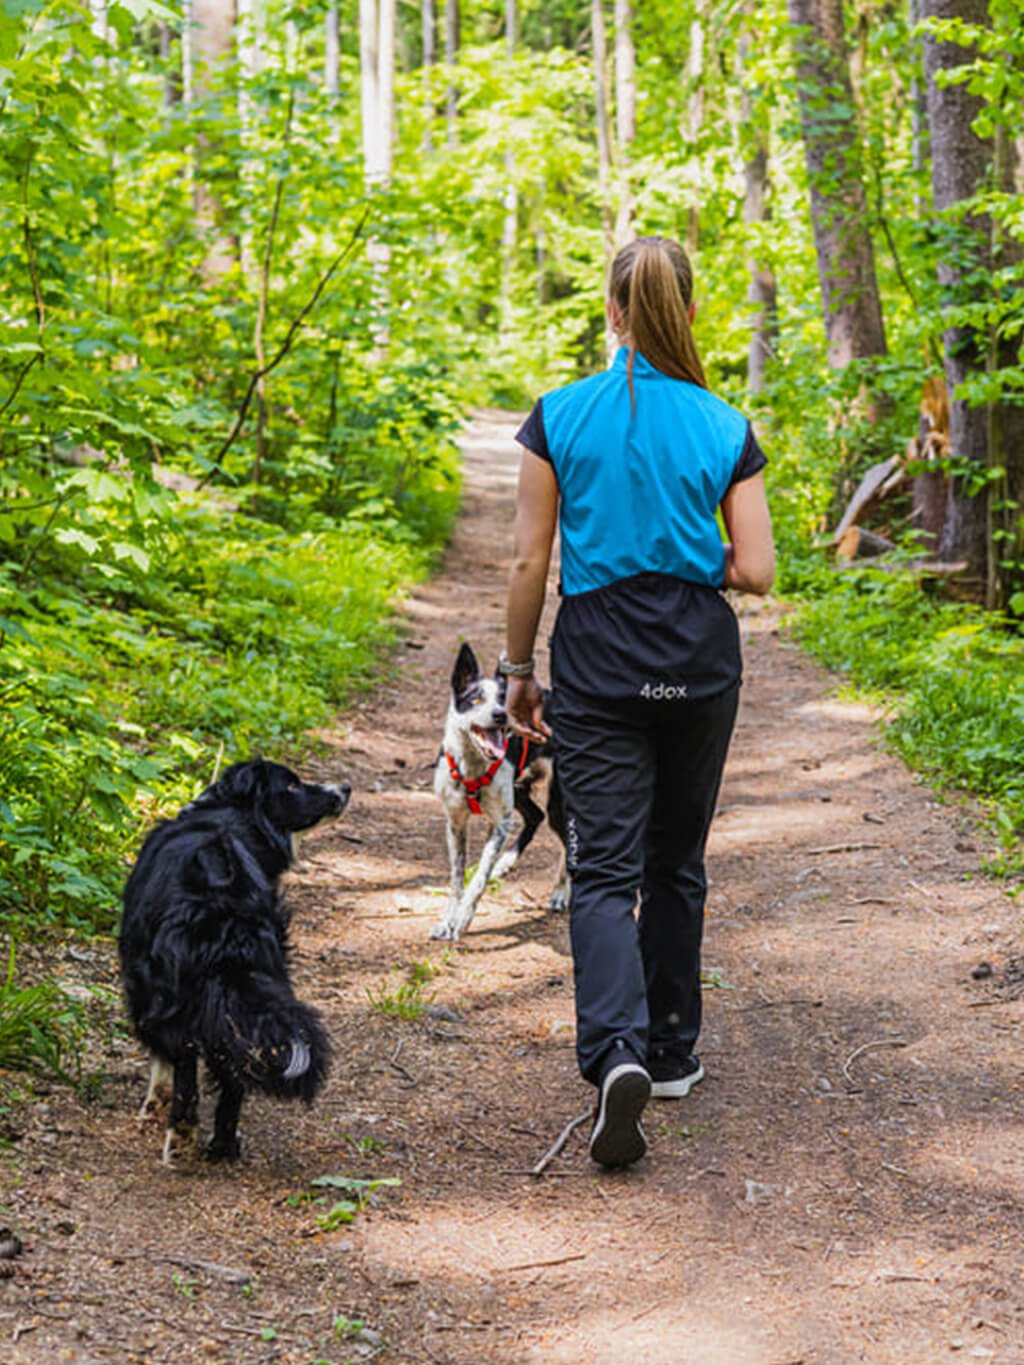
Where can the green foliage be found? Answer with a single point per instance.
(951, 677)
(405, 999)
(226, 428)
(42, 1027)
(344, 1211)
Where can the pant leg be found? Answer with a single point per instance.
(605, 764)
(692, 743)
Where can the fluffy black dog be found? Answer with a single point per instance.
(203, 947)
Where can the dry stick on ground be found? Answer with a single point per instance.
(394, 1062)
(841, 848)
(534, 1265)
(463, 1128)
(560, 1142)
(867, 1047)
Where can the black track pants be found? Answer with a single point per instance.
(639, 781)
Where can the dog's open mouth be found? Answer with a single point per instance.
(491, 743)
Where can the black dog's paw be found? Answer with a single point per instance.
(224, 1149)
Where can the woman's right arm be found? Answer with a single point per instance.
(750, 554)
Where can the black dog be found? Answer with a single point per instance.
(203, 947)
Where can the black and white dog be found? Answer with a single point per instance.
(203, 947)
(482, 770)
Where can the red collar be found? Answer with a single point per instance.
(473, 784)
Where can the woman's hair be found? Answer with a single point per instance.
(651, 281)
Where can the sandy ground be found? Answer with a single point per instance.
(846, 1184)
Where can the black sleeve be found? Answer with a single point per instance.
(751, 461)
(532, 434)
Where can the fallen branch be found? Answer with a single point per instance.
(841, 848)
(868, 1047)
(394, 1062)
(221, 1272)
(559, 1143)
(477, 1138)
(534, 1265)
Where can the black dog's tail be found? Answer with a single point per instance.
(257, 1031)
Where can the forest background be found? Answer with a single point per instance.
(258, 260)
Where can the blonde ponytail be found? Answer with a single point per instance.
(651, 282)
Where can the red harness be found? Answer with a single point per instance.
(473, 784)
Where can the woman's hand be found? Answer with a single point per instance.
(525, 706)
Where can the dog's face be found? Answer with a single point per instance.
(278, 794)
(477, 706)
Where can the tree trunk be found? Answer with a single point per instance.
(428, 32)
(332, 52)
(846, 263)
(377, 88)
(960, 165)
(211, 24)
(695, 115)
(172, 92)
(604, 150)
(510, 224)
(1006, 420)
(625, 116)
(451, 56)
(761, 291)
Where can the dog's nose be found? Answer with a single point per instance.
(500, 716)
(342, 791)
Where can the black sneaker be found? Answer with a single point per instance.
(617, 1138)
(672, 1079)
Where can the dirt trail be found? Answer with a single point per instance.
(846, 1185)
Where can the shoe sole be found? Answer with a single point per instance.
(618, 1139)
(676, 1089)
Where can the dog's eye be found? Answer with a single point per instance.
(293, 786)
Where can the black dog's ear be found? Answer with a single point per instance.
(211, 868)
(240, 783)
(466, 670)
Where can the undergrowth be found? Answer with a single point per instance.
(949, 675)
(42, 1028)
(120, 693)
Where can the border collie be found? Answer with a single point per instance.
(482, 770)
(204, 953)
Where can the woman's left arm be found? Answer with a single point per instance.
(750, 553)
(536, 519)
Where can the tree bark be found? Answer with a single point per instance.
(761, 291)
(510, 223)
(960, 166)
(332, 52)
(211, 28)
(451, 56)
(377, 88)
(625, 117)
(428, 34)
(846, 263)
(695, 115)
(604, 148)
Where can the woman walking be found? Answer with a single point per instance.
(633, 465)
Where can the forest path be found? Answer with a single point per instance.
(846, 1184)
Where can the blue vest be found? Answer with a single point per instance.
(640, 487)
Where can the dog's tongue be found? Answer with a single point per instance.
(491, 742)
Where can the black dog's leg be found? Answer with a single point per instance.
(532, 817)
(225, 1144)
(181, 1133)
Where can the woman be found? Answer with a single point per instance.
(634, 465)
